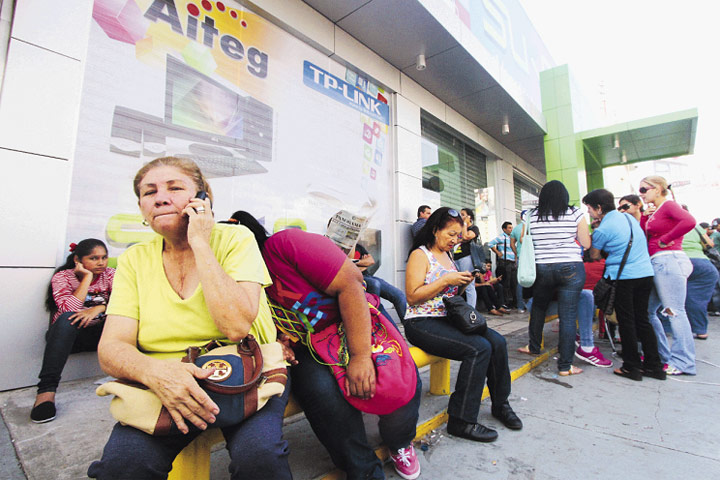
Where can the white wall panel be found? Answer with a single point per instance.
(39, 104)
(32, 17)
(25, 322)
(33, 227)
(407, 114)
(409, 192)
(301, 20)
(408, 153)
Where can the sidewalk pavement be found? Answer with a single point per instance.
(595, 425)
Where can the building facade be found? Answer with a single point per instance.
(294, 109)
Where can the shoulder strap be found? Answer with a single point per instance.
(627, 250)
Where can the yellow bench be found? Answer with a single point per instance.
(194, 461)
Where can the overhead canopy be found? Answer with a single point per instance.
(664, 136)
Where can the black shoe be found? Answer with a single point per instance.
(631, 374)
(507, 416)
(658, 374)
(45, 412)
(471, 431)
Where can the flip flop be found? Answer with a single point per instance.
(526, 351)
(573, 371)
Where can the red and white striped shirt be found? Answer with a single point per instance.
(65, 282)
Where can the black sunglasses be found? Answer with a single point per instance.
(645, 190)
(624, 207)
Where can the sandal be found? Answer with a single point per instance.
(573, 371)
(526, 351)
(631, 374)
(701, 336)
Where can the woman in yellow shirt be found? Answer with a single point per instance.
(195, 282)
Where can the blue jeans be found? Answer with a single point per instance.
(392, 294)
(465, 264)
(339, 426)
(700, 286)
(481, 356)
(519, 296)
(62, 339)
(567, 278)
(671, 272)
(257, 449)
(586, 313)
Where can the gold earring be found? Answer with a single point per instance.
(145, 222)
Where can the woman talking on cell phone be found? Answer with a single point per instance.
(193, 283)
(665, 224)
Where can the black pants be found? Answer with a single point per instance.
(508, 270)
(492, 296)
(631, 306)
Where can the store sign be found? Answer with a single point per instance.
(220, 85)
(341, 91)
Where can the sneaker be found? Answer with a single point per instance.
(522, 310)
(593, 357)
(670, 370)
(406, 463)
(577, 341)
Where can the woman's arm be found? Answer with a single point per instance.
(681, 220)
(233, 305)
(416, 290)
(595, 254)
(69, 298)
(355, 314)
(583, 233)
(172, 381)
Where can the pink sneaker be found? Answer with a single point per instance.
(406, 463)
(593, 357)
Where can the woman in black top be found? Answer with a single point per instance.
(462, 256)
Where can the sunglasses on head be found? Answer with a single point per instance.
(453, 213)
(644, 189)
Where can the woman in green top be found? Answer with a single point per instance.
(700, 283)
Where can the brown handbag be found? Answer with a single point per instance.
(246, 376)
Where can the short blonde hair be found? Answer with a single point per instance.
(188, 167)
(658, 182)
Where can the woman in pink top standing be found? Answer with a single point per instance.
(665, 225)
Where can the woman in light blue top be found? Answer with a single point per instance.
(632, 289)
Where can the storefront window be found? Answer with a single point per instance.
(454, 172)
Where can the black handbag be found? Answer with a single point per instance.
(464, 317)
(604, 291)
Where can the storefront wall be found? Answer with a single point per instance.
(90, 94)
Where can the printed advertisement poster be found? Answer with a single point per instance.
(280, 130)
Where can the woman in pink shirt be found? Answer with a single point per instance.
(665, 224)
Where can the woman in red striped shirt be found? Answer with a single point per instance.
(76, 299)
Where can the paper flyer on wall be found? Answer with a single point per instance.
(345, 229)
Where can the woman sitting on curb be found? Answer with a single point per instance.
(77, 298)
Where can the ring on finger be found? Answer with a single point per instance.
(200, 210)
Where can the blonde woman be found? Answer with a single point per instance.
(665, 224)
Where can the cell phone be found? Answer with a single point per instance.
(355, 260)
(202, 195)
(476, 272)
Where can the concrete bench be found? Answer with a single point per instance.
(194, 461)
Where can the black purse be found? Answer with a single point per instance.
(604, 291)
(464, 317)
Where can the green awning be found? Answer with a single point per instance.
(664, 136)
